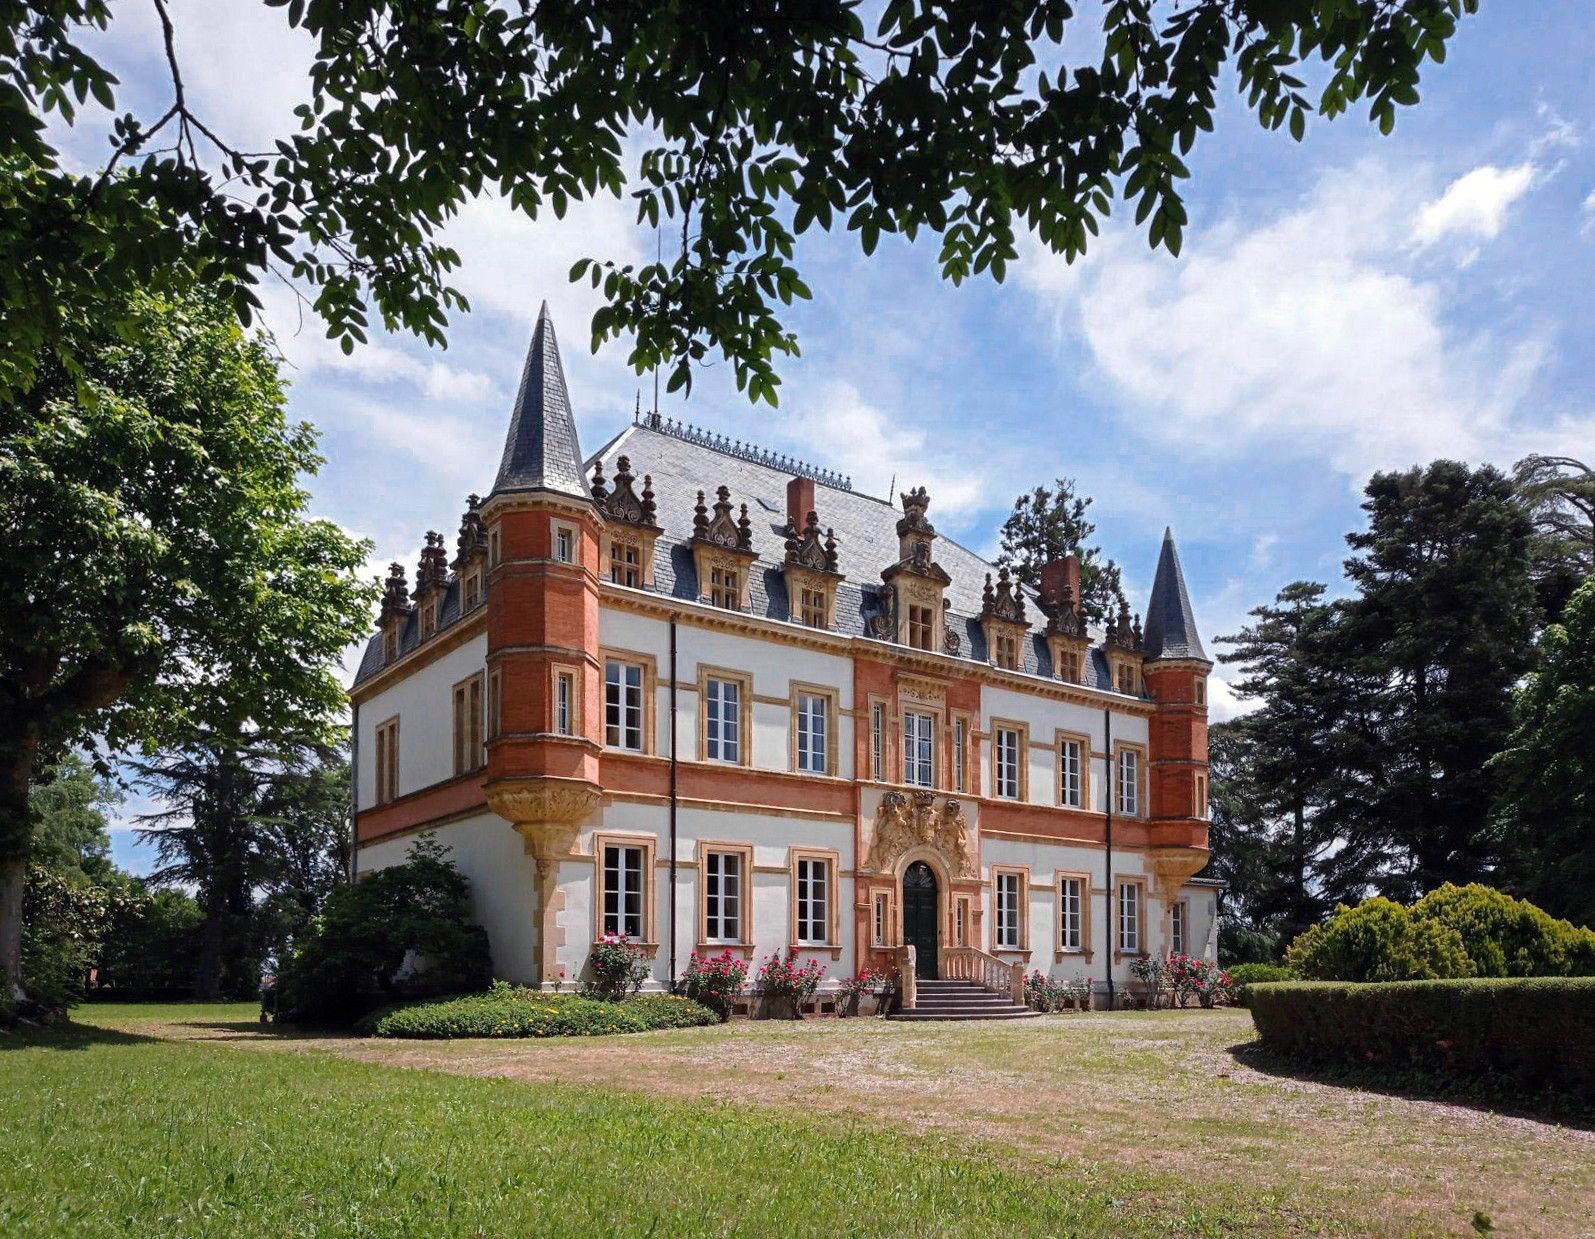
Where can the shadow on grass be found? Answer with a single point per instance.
(68, 1035)
(253, 1030)
(1484, 1096)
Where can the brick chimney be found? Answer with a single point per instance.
(1056, 575)
(799, 501)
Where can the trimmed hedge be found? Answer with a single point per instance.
(511, 1011)
(1535, 1032)
(1242, 976)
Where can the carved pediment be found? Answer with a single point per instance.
(472, 542)
(433, 571)
(1123, 634)
(720, 530)
(622, 502)
(808, 550)
(902, 823)
(1004, 603)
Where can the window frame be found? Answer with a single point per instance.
(881, 919)
(726, 581)
(1021, 754)
(565, 678)
(471, 589)
(1121, 884)
(564, 543)
(628, 561)
(648, 845)
(1082, 741)
(1138, 750)
(495, 703)
(879, 729)
(469, 731)
(913, 626)
(1179, 927)
(960, 753)
(1082, 945)
(649, 679)
(830, 716)
(430, 610)
(797, 858)
(1019, 878)
(925, 748)
(743, 852)
(743, 743)
(385, 749)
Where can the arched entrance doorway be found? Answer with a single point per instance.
(919, 917)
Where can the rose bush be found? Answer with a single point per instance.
(715, 981)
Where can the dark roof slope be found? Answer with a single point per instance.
(1170, 623)
(541, 451)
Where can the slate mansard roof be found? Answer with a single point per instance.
(542, 452)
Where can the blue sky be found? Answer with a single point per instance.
(1343, 305)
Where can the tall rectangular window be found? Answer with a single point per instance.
(921, 627)
(468, 752)
(960, 744)
(565, 703)
(722, 723)
(722, 896)
(1071, 904)
(1200, 796)
(919, 748)
(881, 905)
(961, 924)
(813, 607)
(623, 893)
(495, 702)
(1130, 782)
(1129, 917)
(387, 760)
(1007, 756)
(623, 705)
(625, 565)
(564, 545)
(390, 644)
(813, 900)
(429, 617)
(495, 547)
(1008, 897)
(1201, 691)
(877, 742)
(471, 590)
(813, 733)
(1007, 651)
(1177, 935)
(1070, 765)
(725, 588)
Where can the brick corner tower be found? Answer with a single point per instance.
(544, 676)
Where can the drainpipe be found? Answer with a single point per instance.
(1107, 766)
(674, 767)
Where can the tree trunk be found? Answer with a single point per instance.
(17, 753)
(208, 965)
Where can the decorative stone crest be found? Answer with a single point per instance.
(1006, 602)
(623, 503)
(1067, 619)
(433, 570)
(395, 596)
(720, 530)
(806, 550)
(472, 542)
(901, 824)
(1124, 634)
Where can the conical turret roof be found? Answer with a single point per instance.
(541, 451)
(1170, 623)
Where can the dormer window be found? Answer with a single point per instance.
(471, 590)
(429, 617)
(1128, 680)
(625, 564)
(1069, 666)
(813, 608)
(1006, 653)
(390, 645)
(921, 627)
(811, 571)
(1002, 616)
(725, 588)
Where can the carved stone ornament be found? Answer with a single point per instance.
(720, 530)
(472, 541)
(1005, 603)
(1123, 633)
(623, 503)
(433, 570)
(808, 550)
(395, 596)
(1068, 620)
(901, 824)
(883, 623)
(542, 802)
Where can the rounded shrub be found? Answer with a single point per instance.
(1507, 937)
(1378, 940)
(515, 1011)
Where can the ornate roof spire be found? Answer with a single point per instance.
(395, 595)
(541, 451)
(433, 570)
(1170, 623)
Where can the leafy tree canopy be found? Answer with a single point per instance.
(162, 575)
(962, 119)
(1049, 524)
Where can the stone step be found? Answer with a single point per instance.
(1008, 1013)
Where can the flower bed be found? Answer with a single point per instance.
(515, 1011)
(715, 981)
(1534, 1031)
(785, 985)
(1044, 993)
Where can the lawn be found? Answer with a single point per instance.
(194, 1120)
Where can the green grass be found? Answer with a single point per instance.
(110, 1133)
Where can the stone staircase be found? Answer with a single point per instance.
(960, 1000)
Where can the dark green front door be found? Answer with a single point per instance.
(919, 917)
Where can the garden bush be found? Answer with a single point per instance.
(1378, 940)
(1454, 931)
(514, 1011)
(715, 980)
(1242, 975)
(1531, 1032)
(618, 967)
(404, 931)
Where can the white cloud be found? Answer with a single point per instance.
(1588, 210)
(1318, 334)
(1263, 549)
(1475, 204)
(1224, 703)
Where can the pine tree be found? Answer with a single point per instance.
(1049, 524)
(1441, 630)
(1545, 815)
(1558, 493)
